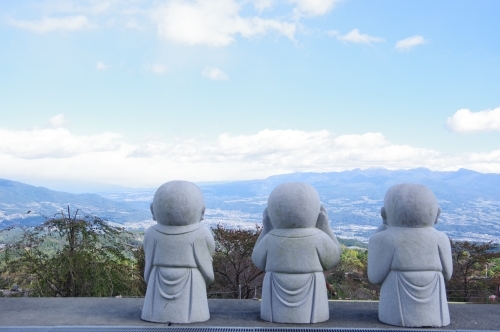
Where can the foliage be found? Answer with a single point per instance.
(349, 279)
(352, 243)
(494, 267)
(69, 255)
(232, 262)
(469, 282)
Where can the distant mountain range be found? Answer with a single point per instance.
(23, 204)
(470, 201)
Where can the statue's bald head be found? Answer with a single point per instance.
(410, 205)
(293, 205)
(178, 203)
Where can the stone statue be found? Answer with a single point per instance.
(179, 253)
(411, 259)
(294, 248)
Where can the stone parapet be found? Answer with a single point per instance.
(47, 312)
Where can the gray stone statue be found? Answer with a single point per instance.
(179, 253)
(411, 259)
(294, 248)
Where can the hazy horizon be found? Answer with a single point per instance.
(77, 186)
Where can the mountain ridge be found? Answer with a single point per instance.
(17, 198)
(469, 200)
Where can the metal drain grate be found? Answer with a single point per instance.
(203, 329)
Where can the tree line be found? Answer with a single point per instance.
(73, 255)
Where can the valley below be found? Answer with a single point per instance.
(469, 201)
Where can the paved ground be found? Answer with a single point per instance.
(224, 313)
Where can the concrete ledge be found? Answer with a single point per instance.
(126, 312)
(202, 329)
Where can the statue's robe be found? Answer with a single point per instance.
(294, 288)
(412, 264)
(178, 267)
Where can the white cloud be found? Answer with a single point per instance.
(356, 37)
(215, 23)
(292, 150)
(268, 152)
(58, 121)
(54, 142)
(465, 122)
(313, 7)
(214, 73)
(409, 43)
(132, 23)
(157, 68)
(262, 5)
(484, 162)
(212, 23)
(101, 66)
(56, 153)
(50, 24)
(91, 7)
(71, 15)
(369, 140)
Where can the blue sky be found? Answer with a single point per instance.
(137, 92)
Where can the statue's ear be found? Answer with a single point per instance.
(383, 214)
(152, 211)
(437, 217)
(322, 216)
(202, 214)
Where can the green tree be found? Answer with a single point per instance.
(234, 270)
(69, 255)
(349, 279)
(469, 282)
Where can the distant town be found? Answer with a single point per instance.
(470, 202)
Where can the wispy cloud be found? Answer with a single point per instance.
(213, 23)
(214, 73)
(409, 43)
(354, 36)
(313, 7)
(58, 121)
(70, 15)
(466, 122)
(157, 68)
(54, 142)
(85, 7)
(262, 5)
(101, 66)
(51, 24)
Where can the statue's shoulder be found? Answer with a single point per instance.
(176, 230)
(204, 230)
(386, 235)
(432, 232)
(295, 232)
(150, 231)
(441, 235)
